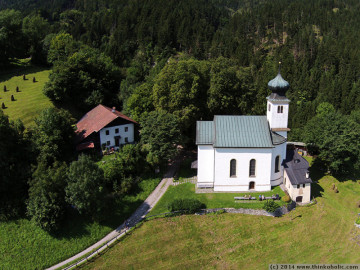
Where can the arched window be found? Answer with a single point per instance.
(277, 164)
(233, 168)
(252, 167)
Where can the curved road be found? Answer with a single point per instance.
(137, 216)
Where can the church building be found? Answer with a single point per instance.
(238, 153)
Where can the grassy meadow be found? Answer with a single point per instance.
(320, 233)
(25, 246)
(30, 101)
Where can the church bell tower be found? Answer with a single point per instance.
(278, 105)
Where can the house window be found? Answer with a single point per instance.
(233, 168)
(269, 107)
(252, 167)
(108, 143)
(303, 185)
(277, 164)
(126, 129)
(116, 130)
(107, 132)
(280, 109)
(126, 139)
(298, 186)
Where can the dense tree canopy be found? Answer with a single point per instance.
(160, 135)
(84, 79)
(15, 161)
(46, 205)
(86, 186)
(53, 135)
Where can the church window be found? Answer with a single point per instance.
(277, 164)
(269, 107)
(233, 168)
(280, 109)
(252, 167)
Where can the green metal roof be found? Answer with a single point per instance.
(242, 131)
(277, 138)
(204, 132)
(237, 131)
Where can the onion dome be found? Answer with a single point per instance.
(278, 85)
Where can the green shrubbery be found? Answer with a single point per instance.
(270, 206)
(187, 205)
(286, 198)
(358, 221)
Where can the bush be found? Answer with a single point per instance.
(187, 205)
(286, 198)
(358, 221)
(270, 206)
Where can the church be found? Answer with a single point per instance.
(239, 153)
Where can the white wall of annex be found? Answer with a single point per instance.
(223, 181)
(205, 164)
(277, 120)
(122, 133)
(294, 192)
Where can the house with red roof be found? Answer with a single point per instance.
(105, 127)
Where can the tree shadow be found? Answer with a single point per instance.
(19, 70)
(316, 190)
(317, 170)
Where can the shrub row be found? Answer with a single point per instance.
(187, 205)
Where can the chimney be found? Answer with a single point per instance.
(113, 109)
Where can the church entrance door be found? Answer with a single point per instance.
(251, 185)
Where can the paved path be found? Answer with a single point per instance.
(137, 216)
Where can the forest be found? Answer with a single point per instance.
(177, 62)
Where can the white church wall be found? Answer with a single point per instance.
(279, 150)
(277, 120)
(223, 181)
(205, 165)
(109, 139)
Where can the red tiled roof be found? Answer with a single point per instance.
(96, 119)
(84, 146)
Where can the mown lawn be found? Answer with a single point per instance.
(30, 101)
(25, 246)
(211, 200)
(321, 233)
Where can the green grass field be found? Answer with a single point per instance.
(30, 101)
(211, 200)
(320, 233)
(25, 246)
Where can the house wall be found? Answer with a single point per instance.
(223, 181)
(205, 166)
(294, 192)
(122, 133)
(279, 150)
(277, 120)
